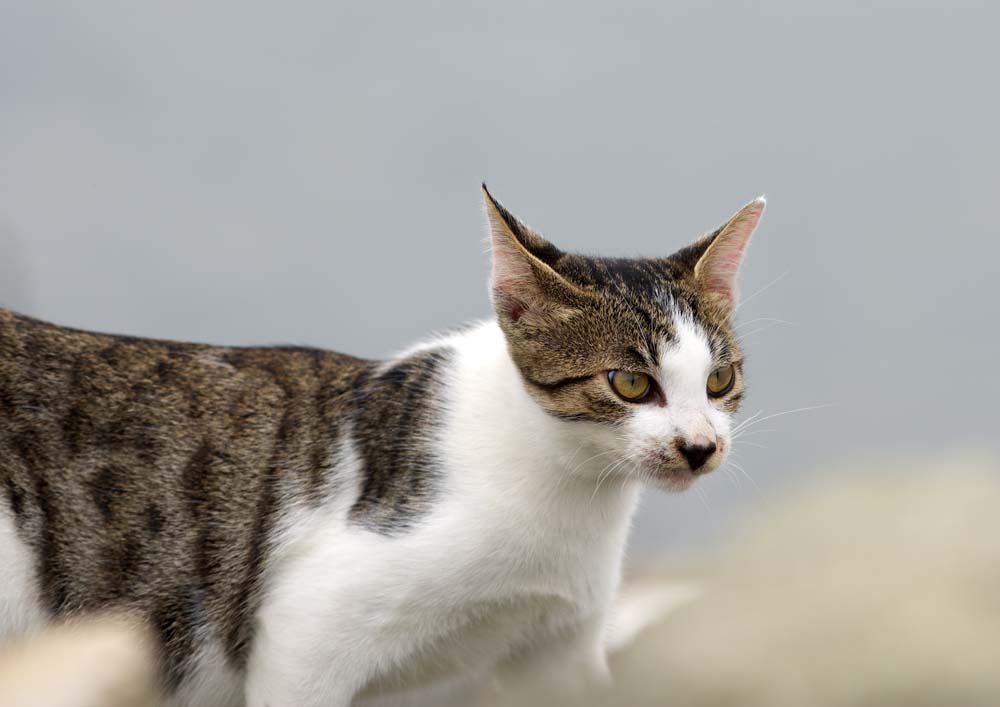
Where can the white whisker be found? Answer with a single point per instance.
(786, 412)
(771, 320)
(765, 288)
(744, 472)
(704, 499)
(750, 432)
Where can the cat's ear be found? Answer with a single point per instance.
(522, 280)
(718, 265)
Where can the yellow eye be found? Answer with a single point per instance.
(720, 381)
(630, 385)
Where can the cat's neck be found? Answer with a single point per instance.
(509, 448)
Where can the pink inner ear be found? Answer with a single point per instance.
(729, 261)
(516, 309)
(506, 295)
(722, 285)
(721, 263)
(721, 267)
(726, 264)
(514, 282)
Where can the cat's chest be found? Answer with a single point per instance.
(483, 588)
(486, 550)
(507, 574)
(467, 569)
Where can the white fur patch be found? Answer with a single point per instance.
(20, 600)
(652, 430)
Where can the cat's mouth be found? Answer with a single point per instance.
(673, 473)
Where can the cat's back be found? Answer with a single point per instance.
(146, 475)
(82, 400)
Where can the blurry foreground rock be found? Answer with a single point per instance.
(99, 663)
(874, 585)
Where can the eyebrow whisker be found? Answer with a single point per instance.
(763, 289)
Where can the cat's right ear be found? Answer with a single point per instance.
(522, 282)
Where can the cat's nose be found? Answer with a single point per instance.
(696, 450)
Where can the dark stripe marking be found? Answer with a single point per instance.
(561, 383)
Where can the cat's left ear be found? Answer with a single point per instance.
(717, 268)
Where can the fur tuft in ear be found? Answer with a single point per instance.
(521, 279)
(718, 266)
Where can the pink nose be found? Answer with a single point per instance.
(696, 451)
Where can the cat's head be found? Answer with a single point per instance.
(641, 353)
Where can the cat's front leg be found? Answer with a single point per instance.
(289, 671)
(301, 688)
(569, 664)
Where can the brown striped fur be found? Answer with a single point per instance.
(148, 474)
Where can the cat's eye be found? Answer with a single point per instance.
(721, 380)
(630, 385)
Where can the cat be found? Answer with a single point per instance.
(303, 527)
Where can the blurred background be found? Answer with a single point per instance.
(308, 173)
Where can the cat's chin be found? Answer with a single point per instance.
(673, 480)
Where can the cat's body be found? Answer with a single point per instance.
(301, 527)
(259, 465)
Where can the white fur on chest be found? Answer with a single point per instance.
(516, 552)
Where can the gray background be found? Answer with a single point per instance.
(309, 173)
